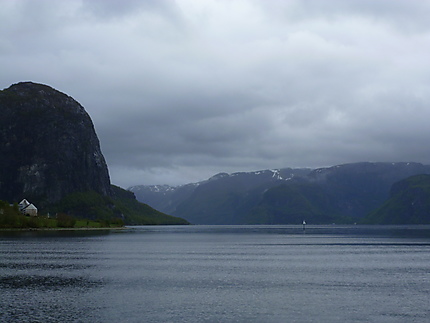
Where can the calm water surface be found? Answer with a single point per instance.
(217, 274)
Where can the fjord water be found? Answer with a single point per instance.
(217, 274)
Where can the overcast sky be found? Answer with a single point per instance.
(181, 90)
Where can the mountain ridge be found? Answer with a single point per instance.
(343, 193)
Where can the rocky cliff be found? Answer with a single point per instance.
(48, 146)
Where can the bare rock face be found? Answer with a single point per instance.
(48, 146)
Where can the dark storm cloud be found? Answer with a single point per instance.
(181, 90)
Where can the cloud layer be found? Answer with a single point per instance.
(181, 90)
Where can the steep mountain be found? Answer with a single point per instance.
(50, 155)
(343, 193)
(409, 203)
(356, 189)
(48, 146)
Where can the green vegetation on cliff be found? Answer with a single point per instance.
(88, 209)
(121, 206)
(135, 212)
(409, 203)
(12, 218)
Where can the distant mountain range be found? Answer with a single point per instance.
(341, 194)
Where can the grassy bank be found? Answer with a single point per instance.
(12, 218)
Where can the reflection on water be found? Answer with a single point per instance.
(45, 282)
(217, 274)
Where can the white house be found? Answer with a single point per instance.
(27, 208)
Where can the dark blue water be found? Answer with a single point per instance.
(217, 274)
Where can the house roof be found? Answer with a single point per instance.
(24, 202)
(30, 207)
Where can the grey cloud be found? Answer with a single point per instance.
(113, 9)
(179, 91)
(403, 16)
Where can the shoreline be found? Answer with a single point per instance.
(62, 229)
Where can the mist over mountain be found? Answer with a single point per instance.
(341, 194)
